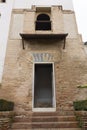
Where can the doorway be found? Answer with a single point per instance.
(43, 86)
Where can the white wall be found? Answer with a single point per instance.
(5, 11)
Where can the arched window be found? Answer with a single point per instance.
(43, 22)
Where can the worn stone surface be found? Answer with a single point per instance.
(6, 119)
(82, 119)
(70, 64)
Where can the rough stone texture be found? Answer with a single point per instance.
(70, 64)
(82, 119)
(57, 18)
(6, 119)
(51, 129)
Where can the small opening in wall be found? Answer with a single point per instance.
(43, 22)
(3, 0)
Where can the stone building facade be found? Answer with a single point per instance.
(44, 65)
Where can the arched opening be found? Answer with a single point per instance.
(43, 22)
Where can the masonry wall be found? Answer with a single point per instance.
(70, 64)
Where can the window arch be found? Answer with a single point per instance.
(43, 22)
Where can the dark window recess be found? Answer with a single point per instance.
(43, 22)
(43, 85)
(3, 0)
(85, 43)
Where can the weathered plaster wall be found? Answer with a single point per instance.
(70, 63)
(6, 10)
(57, 20)
(29, 22)
(16, 26)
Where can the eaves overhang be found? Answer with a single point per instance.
(26, 36)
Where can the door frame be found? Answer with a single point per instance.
(53, 90)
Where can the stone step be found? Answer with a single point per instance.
(85, 124)
(50, 129)
(27, 125)
(45, 119)
(84, 119)
(59, 113)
